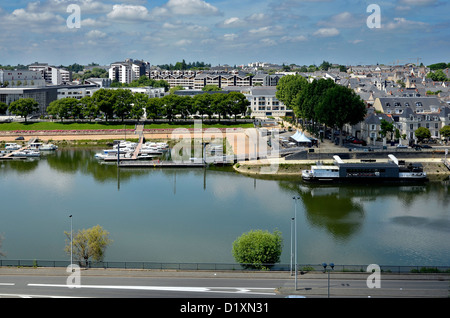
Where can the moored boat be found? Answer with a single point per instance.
(367, 172)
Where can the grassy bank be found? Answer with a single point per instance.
(44, 126)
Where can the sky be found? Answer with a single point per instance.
(233, 32)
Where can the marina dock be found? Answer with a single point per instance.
(159, 164)
(12, 154)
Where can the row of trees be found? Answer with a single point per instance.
(321, 102)
(122, 103)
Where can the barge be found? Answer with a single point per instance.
(365, 172)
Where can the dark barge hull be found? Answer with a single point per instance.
(369, 180)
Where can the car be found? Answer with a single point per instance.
(402, 146)
(426, 146)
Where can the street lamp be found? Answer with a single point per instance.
(292, 248)
(71, 244)
(325, 265)
(295, 238)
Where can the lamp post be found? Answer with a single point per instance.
(295, 239)
(292, 248)
(325, 265)
(71, 244)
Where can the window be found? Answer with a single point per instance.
(436, 125)
(397, 104)
(388, 105)
(411, 126)
(419, 104)
(407, 104)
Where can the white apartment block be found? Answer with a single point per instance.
(51, 74)
(128, 71)
(21, 78)
(263, 102)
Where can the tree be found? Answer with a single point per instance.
(153, 107)
(103, 99)
(211, 88)
(140, 103)
(88, 244)
(122, 100)
(438, 76)
(237, 103)
(445, 131)
(258, 249)
(386, 127)
(218, 105)
(89, 109)
(201, 104)
(422, 133)
(23, 107)
(340, 106)
(289, 87)
(3, 108)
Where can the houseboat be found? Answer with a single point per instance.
(366, 172)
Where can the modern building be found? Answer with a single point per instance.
(263, 101)
(51, 74)
(21, 78)
(128, 71)
(43, 95)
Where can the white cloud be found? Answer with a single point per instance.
(191, 7)
(343, 20)
(418, 2)
(230, 36)
(95, 34)
(327, 32)
(403, 24)
(298, 38)
(130, 13)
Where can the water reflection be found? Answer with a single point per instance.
(195, 214)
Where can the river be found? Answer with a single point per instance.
(194, 215)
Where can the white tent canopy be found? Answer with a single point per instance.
(300, 137)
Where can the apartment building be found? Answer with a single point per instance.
(263, 101)
(21, 78)
(128, 71)
(410, 113)
(222, 80)
(51, 74)
(184, 79)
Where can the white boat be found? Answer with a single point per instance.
(27, 153)
(12, 146)
(43, 147)
(391, 171)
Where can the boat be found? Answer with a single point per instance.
(365, 172)
(43, 147)
(12, 146)
(27, 153)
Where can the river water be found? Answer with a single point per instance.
(194, 215)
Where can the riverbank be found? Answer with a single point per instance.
(434, 168)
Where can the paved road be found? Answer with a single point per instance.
(99, 283)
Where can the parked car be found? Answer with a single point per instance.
(358, 141)
(402, 146)
(426, 146)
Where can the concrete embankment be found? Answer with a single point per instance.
(434, 167)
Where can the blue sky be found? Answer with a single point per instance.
(231, 32)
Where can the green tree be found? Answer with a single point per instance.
(218, 105)
(340, 106)
(140, 103)
(211, 88)
(154, 107)
(422, 133)
(386, 127)
(3, 108)
(122, 100)
(237, 103)
(23, 107)
(445, 131)
(88, 244)
(438, 76)
(169, 106)
(103, 99)
(202, 104)
(289, 87)
(258, 249)
(88, 107)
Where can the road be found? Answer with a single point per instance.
(99, 283)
